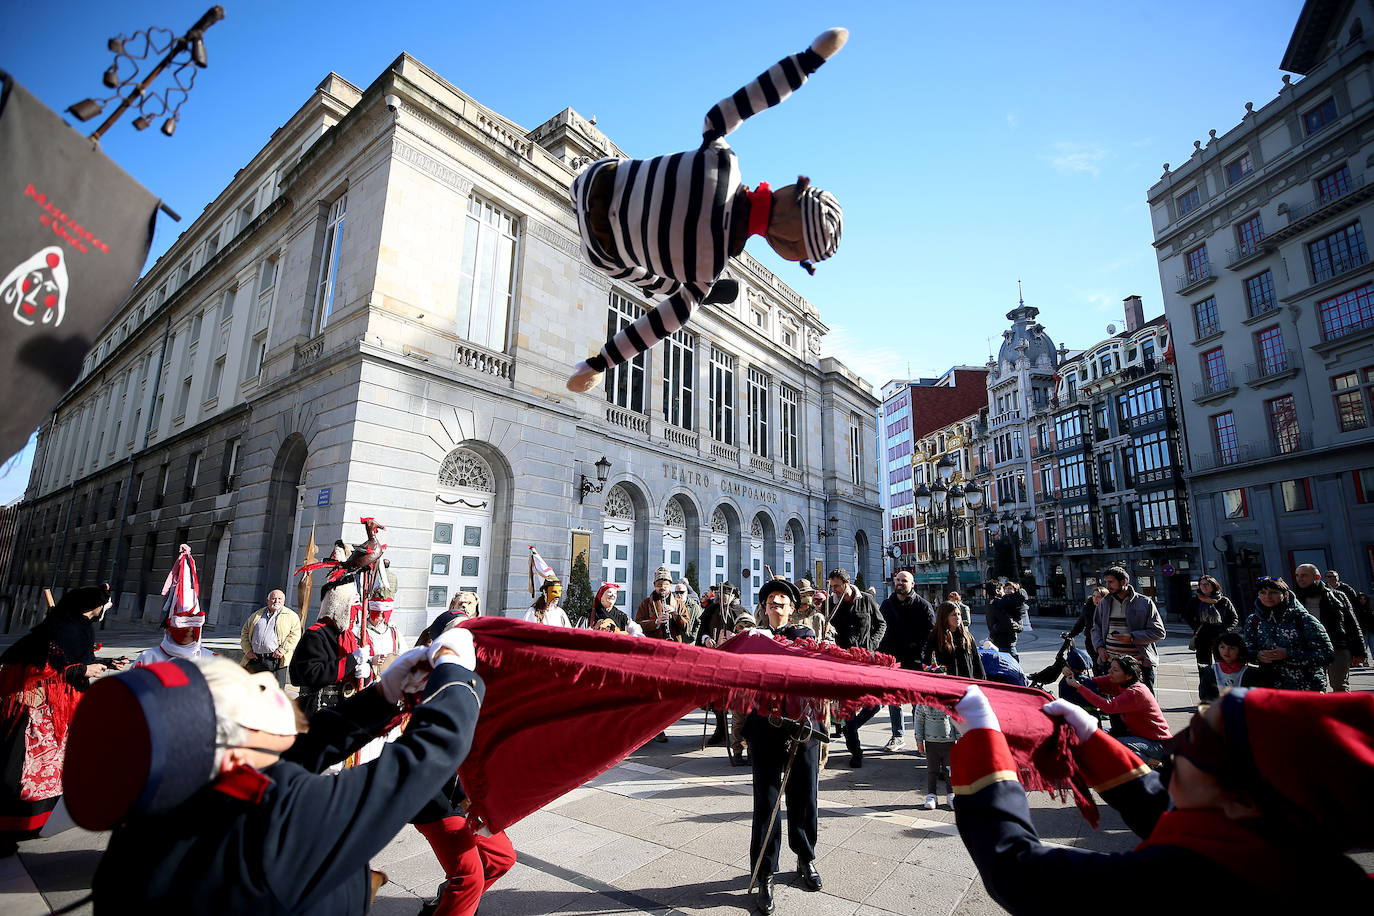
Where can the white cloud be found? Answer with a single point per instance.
(876, 363)
(1072, 158)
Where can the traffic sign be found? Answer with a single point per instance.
(1167, 569)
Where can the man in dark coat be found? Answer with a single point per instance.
(1334, 612)
(328, 657)
(771, 733)
(858, 623)
(910, 620)
(270, 835)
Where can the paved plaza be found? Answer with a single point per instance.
(667, 831)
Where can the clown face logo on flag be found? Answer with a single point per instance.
(37, 288)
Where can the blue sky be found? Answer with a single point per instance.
(970, 145)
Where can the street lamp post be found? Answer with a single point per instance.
(943, 506)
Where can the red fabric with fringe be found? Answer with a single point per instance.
(585, 699)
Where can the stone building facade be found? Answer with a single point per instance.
(376, 317)
(1260, 237)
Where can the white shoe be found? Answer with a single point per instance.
(949, 801)
(895, 743)
(930, 803)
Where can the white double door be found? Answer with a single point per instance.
(459, 559)
(617, 559)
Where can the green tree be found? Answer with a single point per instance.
(859, 582)
(691, 576)
(578, 600)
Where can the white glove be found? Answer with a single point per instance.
(584, 377)
(829, 42)
(405, 675)
(976, 710)
(459, 640)
(1083, 724)
(363, 671)
(362, 654)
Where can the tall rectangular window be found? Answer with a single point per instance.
(486, 285)
(625, 382)
(1283, 424)
(1238, 168)
(1334, 184)
(1297, 494)
(183, 398)
(1188, 201)
(1259, 293)
(1224, 438)
(756, 390)
(856, 454)
(1340, 251)
(679, 371)
(1350, 407)
(787, 422)
(1199, 268)
(1233, 504)
(1205, 318)
(329, 260)
(1214, 373)
(1273, 358)
(1316, 118)
(192, 477)
(1348, 312)
(216, 378)
(722, 396)
(1249, 234)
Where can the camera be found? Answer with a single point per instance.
(393, 103)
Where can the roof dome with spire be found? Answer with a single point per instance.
(1026, 337)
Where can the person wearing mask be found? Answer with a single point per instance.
(909, 620)
(247, 823)
(605, 616)
(545, 609)
(42, 676)
(328, 657)
(859, 624)
(1120, 692)
(1237, 803)
(660, 614)
(950, 649)
(1228, 670)
(1004, 617)
(1291, 646)
(1127, 623)
(1336, 614)
(269, 637)
(770, 746)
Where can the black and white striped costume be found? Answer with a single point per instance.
(671, 216)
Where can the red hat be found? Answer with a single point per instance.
(1315, 751)
(182, 589)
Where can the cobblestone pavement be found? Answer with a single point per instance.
(667, 831)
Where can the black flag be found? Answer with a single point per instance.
(74, 232)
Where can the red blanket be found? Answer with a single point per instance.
(564, 705)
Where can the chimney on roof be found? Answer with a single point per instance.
(1135, 313)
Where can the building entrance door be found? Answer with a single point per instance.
(618, 545)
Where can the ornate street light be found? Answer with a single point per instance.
(943, 506)
(603, 472)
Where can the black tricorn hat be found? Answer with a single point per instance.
(141, 742)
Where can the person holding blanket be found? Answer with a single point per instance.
(668, 225)
(1246, 816)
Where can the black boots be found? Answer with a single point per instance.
(765, 902)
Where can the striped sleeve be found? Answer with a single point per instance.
(768, 89)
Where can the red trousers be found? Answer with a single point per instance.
(471, 863)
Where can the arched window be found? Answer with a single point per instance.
(464, 469)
